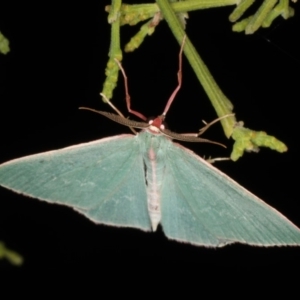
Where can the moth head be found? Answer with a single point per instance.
(157, 125)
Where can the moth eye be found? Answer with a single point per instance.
(150, 122)
(162, 127)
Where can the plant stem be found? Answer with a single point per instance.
(220, 102)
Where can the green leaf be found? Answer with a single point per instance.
(4, 44)
(250, 140)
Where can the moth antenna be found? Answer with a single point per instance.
(132, 129)
(113, 107)
(203, 129)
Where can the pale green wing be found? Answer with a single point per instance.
(104, 180)
(203, 206)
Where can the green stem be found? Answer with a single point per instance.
(132, 14)
(183, 6)
(115, 45)
(190, 5)
(260, 16)
(220, 102)
(115, 11)
(115, 52)
(240, 9)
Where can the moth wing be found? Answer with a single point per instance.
(203, 206)
(103, 179)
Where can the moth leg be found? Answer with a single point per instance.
(179, 77)
(203, 129)
(213, 160)
(117, 111)
(128, 102)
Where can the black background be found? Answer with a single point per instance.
(56, 64)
